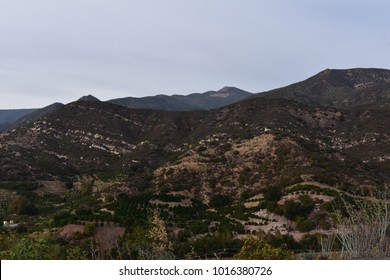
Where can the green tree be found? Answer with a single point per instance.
(20, 205)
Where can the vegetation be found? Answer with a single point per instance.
(99, 181)
(258, 249)
(364, 231)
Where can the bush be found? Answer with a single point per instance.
(364, 230)
(301, 208)
(304, 225)
(290, 209)
(199, 227)
(20, 205)
(272, 193)
(220, 200)
(258, 249)
(324, 224)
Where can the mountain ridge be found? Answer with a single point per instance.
(339, 88)
(196, 101)
(269, 166)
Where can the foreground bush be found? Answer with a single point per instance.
(364, 231)
(258, 249)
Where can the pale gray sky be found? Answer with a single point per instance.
(55, 50)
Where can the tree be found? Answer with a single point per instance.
(158, 246)
(20, 205)
(158, 233)
(220, 200)
(272, 193)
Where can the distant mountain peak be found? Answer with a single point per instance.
(89, 98)
(228, 92)
(224, 89)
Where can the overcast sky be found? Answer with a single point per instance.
(57, 51)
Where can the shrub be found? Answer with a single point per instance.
(220, 200)
(258, 249)
(20, 205)
(304, 225)
(199, 227)
(272, 193)
(364, 231)
(301, 208)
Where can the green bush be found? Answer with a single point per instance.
(304, 225)
(258, 249)
(20, 205)
(272, 193)
(301, 208)
(199, 227)
(220, 200)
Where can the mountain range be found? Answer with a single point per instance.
(196, 101)
(275, 162)
(336, 109)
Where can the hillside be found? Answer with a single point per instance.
(8, 117)
(267, 166)
(340, 89)
(196, 101)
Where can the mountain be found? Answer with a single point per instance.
(340, 89)
(36, 114)
(89, 98)
(196, 101)
(277, 166)
(325, 121)
(97, 137)
(8, 117)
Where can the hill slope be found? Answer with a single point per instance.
(267, 166)
(340, 89)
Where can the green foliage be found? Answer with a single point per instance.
(20, 205)
(301, 208)
(272, 206)
(304, 224)
(277, 241)
(19, 186)
(150, 242)
(363, 227)
(258, 249)
(77, 253)
(198, 227)
(167, 197)
(323, 224)
(28, 248)
(291, 209)
(312, 188)
(221, 244)
(220, 200)
(327, 206)
(272, 193)
(88, 230)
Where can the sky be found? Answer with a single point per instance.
(57, 51)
